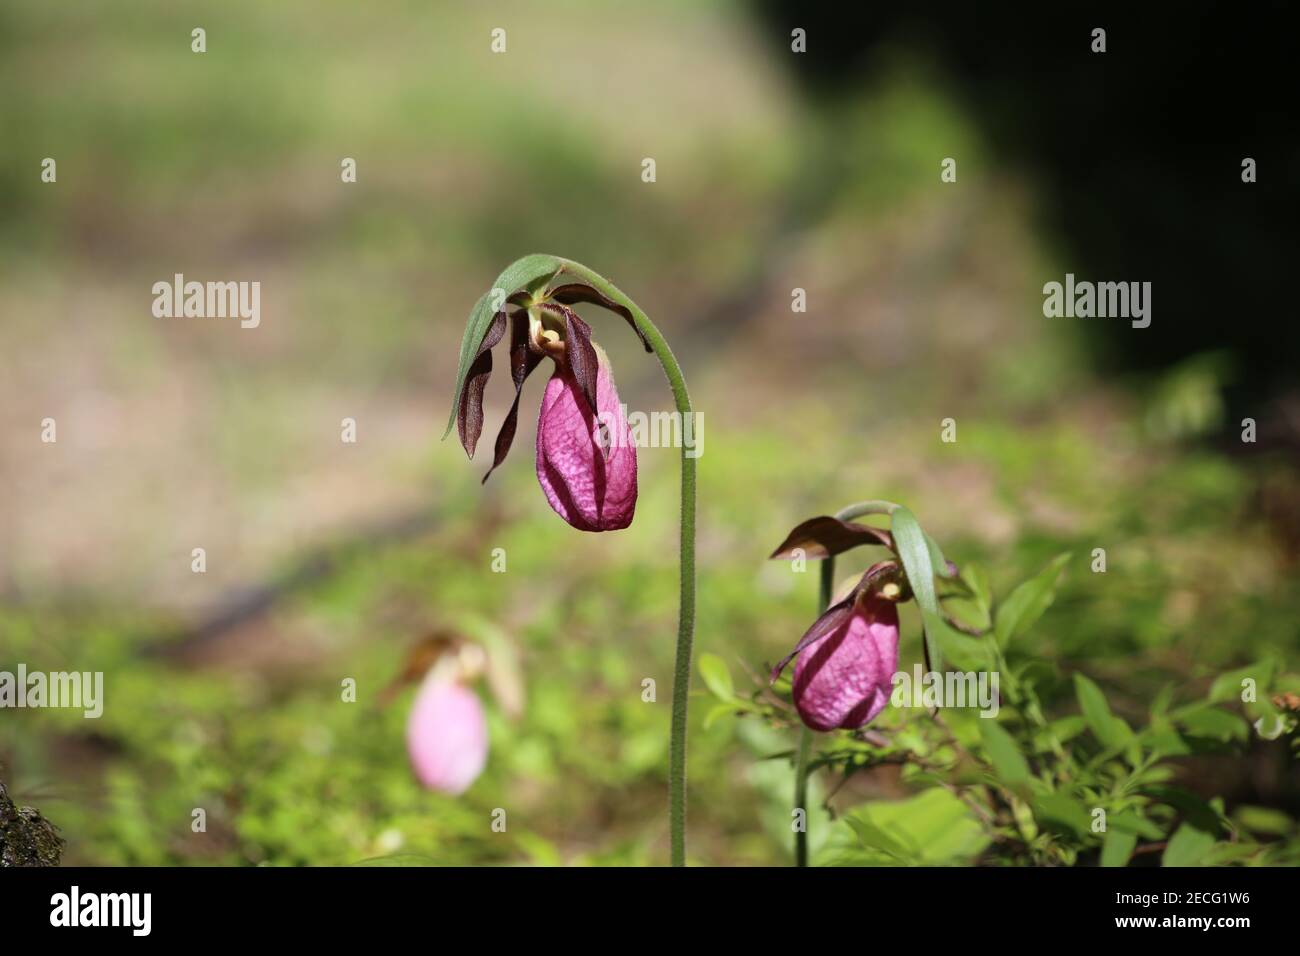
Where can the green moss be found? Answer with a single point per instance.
(26, 837)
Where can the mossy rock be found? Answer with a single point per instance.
(26, 837)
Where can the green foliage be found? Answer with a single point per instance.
(1013, 787)
(934, 828)
(1026, 604)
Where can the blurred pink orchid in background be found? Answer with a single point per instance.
(446, 734)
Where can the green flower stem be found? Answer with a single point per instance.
(801, 795)
(686, 604)
(874, 507)
(806, 734)
(827, 591)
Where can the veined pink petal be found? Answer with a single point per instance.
(845, 678)
(591, 487)
(446, 735)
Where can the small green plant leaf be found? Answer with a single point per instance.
(981, 598)
(1264, 820)
(1062, 813)
(1062, 730)
(1228, 686)
(874, 838)
(1117, 847)
(1129, 821)
(1188, 846)
(717, 677)
(1008, 761)
(1212, 723)
(934, 828)
(962, 651)
(1026, 604)
(1105, 726)
(937, 560)
(717, 712)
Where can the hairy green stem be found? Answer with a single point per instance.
(686, 604)
(801, 795)
(805, 734)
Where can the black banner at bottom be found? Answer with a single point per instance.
(367, 904)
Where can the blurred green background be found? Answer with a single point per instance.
(328, 560)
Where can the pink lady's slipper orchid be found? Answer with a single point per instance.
(446, 734)
(847, 659)
(586, 462)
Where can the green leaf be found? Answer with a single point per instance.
(1212, 723)
(1107, 728)
(1005, 754)
(1117, 847)
(1026, 604)
(914, 551)
(1187, 847)
(1160, 703)
(1163, 742)
(960, 650)
(717, 677)
(1130, 821)
(1228, 686)
(528, 272)
(981, 594)
(934, 828)
(717, 712)
(1063, 729)
(1062, 813)
(874, 838)
(1264, 820)
(937, 560)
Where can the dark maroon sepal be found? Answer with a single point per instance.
(522, 362)
(581, 355)
(824, 536)
(469, 416)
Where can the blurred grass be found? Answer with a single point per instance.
(923, 305)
